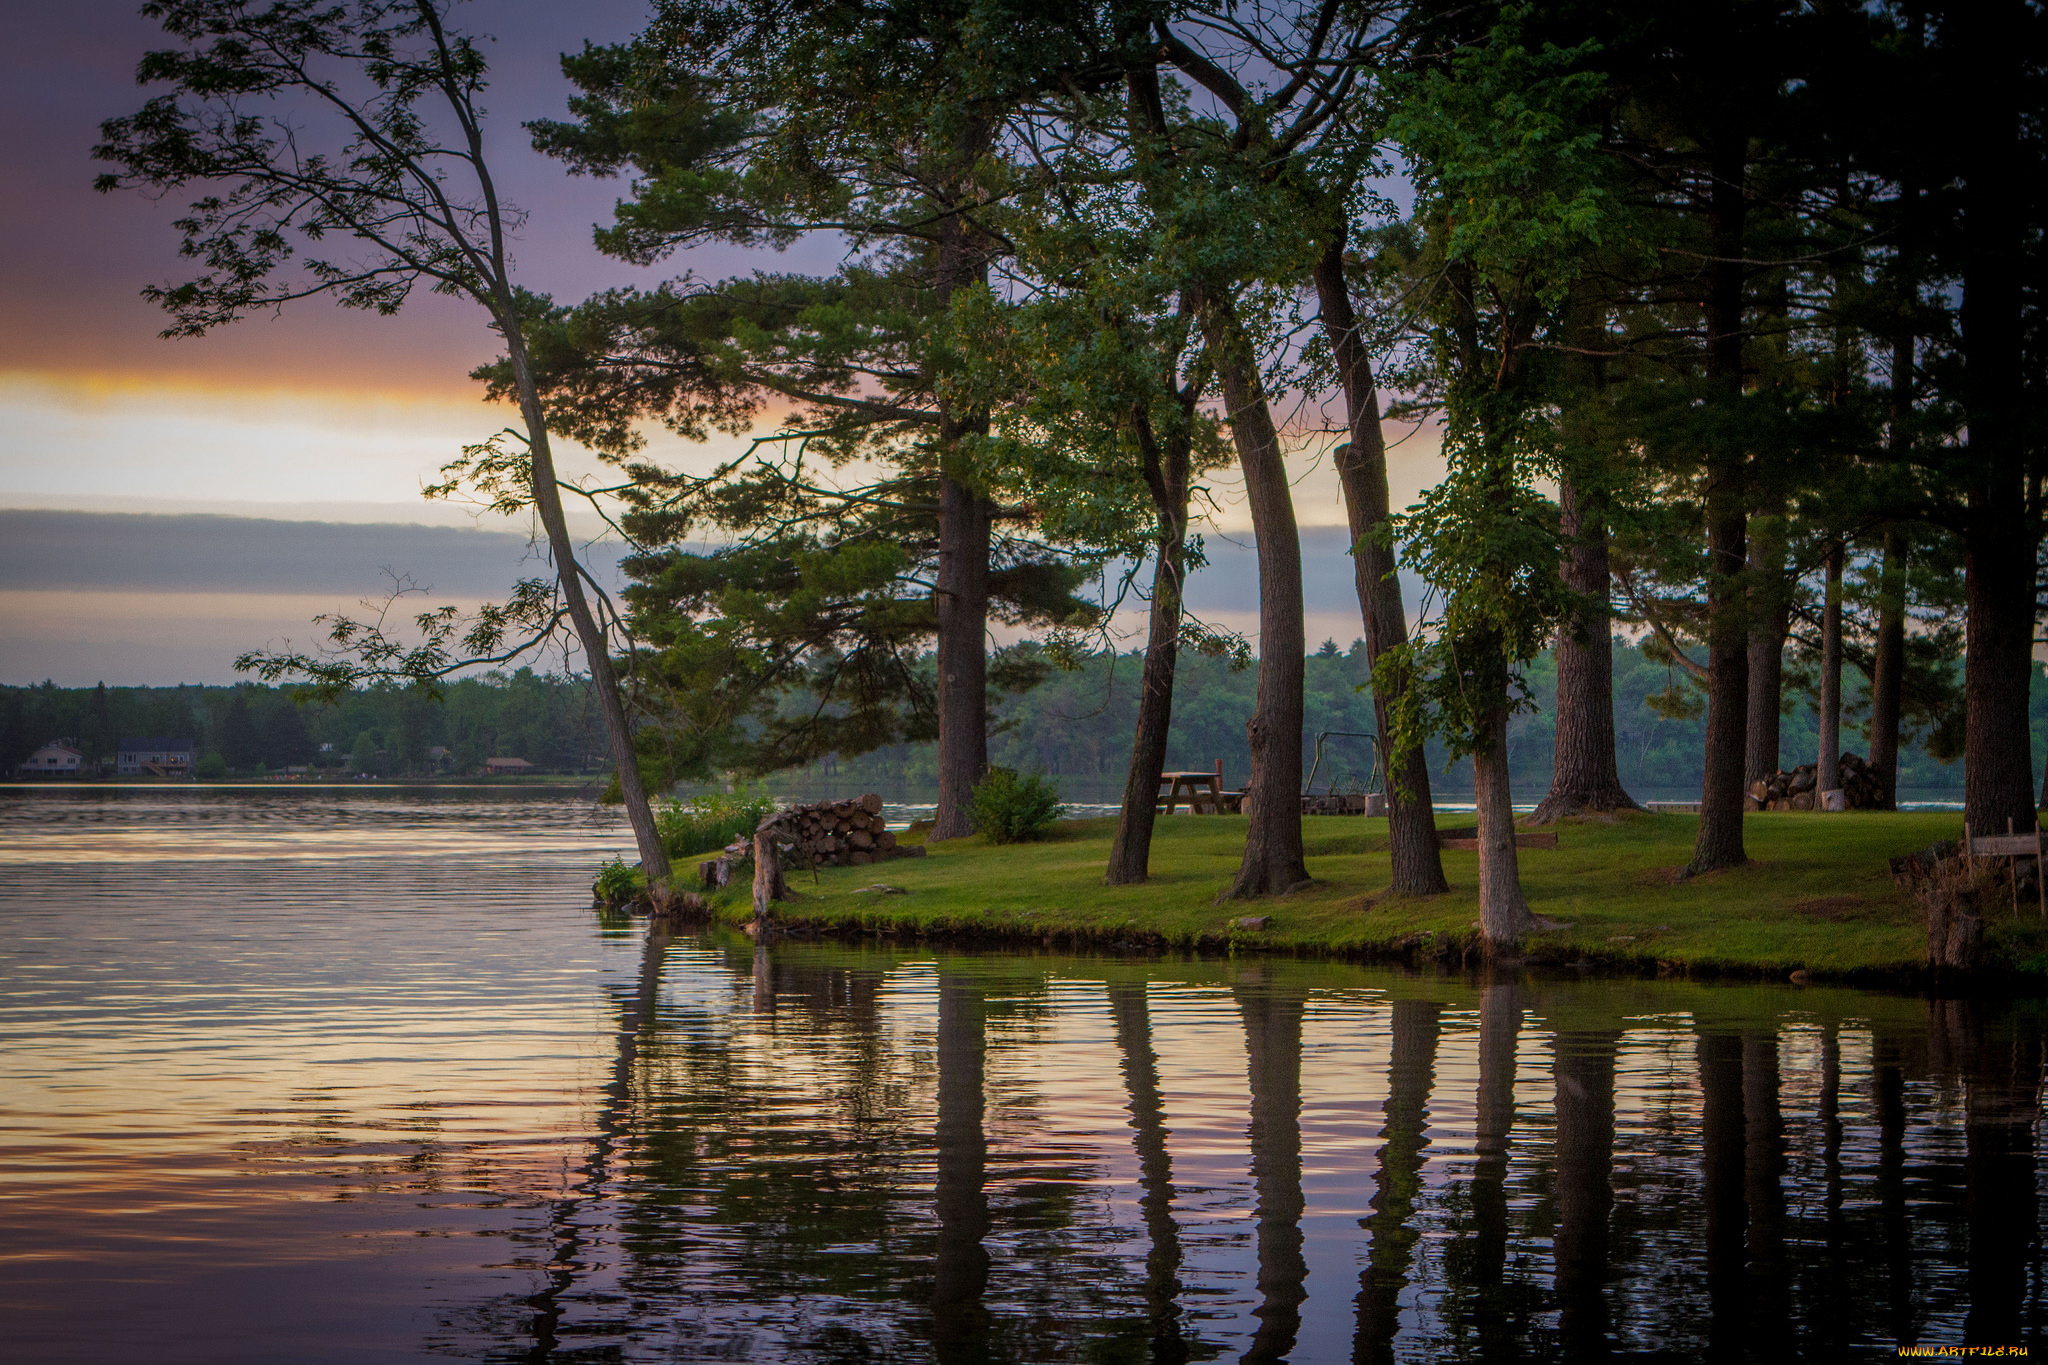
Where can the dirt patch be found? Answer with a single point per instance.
(1833, 909)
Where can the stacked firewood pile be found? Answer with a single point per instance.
(822, 834)
(1799, 789)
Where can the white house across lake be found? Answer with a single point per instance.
(56, 759)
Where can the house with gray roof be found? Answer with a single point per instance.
(151, 756)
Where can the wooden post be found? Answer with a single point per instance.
(768, 885)
(2040, 871)
(2012, 864)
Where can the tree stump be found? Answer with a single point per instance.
(768, 883)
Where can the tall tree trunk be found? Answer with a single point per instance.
(1584, 776)
(2000, 537)
(1583, 1064)
(1503, 911)
(959, 1192)
(1771, 612)
(1417, 862)
(1828, 763)
(1411, 1072)
(966, 520)
(1273, 859)
(595, 640)
(1889, 672)
(1719, 843)
(1272, 1036)
(1166, 474)
(1155, 1169)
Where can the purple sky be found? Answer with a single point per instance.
(317, 414)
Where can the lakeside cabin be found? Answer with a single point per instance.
(58, 758)
(150, 756)
(508, 767)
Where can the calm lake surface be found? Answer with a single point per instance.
(358, 1076)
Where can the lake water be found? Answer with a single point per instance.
(358, 1076)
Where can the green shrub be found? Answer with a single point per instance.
(616, 883)
(211, 765)
(1010, 809)
(710, 821)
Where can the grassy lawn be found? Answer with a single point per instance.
(1816, 895)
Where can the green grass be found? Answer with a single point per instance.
(1816, 895)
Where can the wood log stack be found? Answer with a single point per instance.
(1861, 783)
(822, 834)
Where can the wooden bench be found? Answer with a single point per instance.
(1467, 840)
(2012, 847)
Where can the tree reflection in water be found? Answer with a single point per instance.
(1583, 1067)
(2002, 1107)
(960, 1194)
(1411, 1070)
(1272, 1040)
(810, 1153)
(1140, 1063)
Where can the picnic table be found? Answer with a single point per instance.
(1203, 790)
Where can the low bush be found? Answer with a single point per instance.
(1010, 808)
(710, 821)
(616, 883)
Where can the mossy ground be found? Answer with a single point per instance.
(1815, 896)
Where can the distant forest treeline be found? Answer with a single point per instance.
(550, 722)
(1076, 726)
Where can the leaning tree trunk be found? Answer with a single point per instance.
(1770, 607)
(1584, 776)
(2000, 539)
(1828, 762)
(596, 643)
(1273, 860)
(1130, 852)
(966, 520)
(1719, 843)
(1503, 911)
(1418, 868)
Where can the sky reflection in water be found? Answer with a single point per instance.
(357, 1077)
